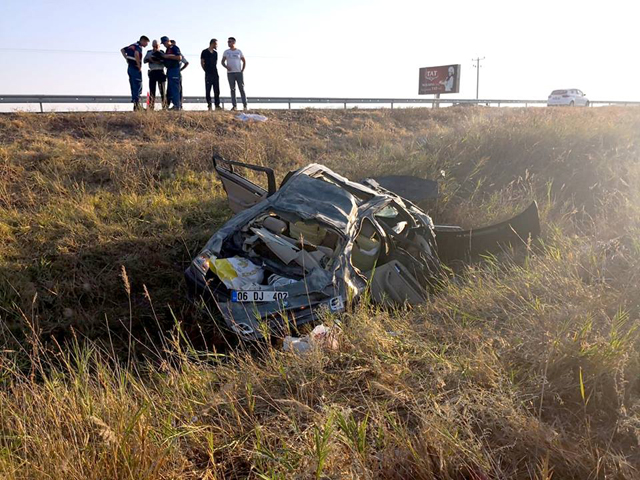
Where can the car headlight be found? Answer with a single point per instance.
(201, 262)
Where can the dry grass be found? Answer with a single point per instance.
(524, 367)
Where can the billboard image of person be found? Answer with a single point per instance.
(442, 79)
(449, 82)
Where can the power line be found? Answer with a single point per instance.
(98, 52)
(477, 67)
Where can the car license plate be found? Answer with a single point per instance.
(258, 296)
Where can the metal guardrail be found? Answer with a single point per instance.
(289, 101)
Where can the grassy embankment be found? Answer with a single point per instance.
(525, 368)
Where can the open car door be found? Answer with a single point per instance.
(457, 244)
(242, 193)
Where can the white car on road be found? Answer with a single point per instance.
(571, 97)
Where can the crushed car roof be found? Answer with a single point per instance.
(314, 199)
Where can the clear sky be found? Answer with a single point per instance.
(347, 48)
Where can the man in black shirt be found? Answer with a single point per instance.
(208, 60)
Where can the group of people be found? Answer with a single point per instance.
(175, 62)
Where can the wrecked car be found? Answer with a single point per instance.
(320, 241)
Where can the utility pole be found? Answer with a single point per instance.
(477, 67)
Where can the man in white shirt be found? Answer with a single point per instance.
(157, 77)
(233, 60)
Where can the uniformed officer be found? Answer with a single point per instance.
(184, 63)
(172, 59)
(133, 56)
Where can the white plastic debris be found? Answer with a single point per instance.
(276, 280)
(324, 337)
(296, 344)
(251, 117)
(320, 337)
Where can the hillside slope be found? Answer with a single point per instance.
(523, 366)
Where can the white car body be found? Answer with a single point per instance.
(571, 97)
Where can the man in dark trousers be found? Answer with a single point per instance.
(184, 63)
(208, 60)
(133, 56)
(157, 77)
(172, 59)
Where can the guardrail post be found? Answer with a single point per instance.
(391, 105)
(345, 105)
(41, 109)
(289, 105)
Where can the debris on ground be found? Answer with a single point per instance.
(321, 337)
(251, 117)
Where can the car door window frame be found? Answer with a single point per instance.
(242, 193)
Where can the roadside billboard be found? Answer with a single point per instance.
(442, 79)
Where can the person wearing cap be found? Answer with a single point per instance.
(157, 77)
(208, 60)
(233, 60)
(133, 55)
(172, 59)
(184, 63)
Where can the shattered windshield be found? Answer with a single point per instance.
(392, 217)
(388, 211)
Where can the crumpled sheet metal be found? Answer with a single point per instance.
(331, 204)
